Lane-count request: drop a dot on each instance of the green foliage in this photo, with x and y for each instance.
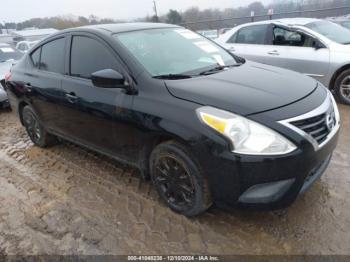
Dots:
(173, 17)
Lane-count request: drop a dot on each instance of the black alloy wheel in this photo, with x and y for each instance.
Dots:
(32, 126)
(35, 130)
(178, 179)
(174, 182)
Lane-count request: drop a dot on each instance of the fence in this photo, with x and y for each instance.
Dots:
(231, 22)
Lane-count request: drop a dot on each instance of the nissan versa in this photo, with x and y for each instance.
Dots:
(204, 125)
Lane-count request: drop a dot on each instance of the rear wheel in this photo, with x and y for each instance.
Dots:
(35, 130)
(342, 87)
(179, 180)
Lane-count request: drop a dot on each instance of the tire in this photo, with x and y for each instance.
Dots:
(36, 132)
(179, 180)
(339, 87)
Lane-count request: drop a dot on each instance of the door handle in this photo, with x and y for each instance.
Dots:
(71, 97)
(232, 49)
(274, 52)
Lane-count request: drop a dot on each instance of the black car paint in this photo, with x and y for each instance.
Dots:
(236, 91)
(127, 123)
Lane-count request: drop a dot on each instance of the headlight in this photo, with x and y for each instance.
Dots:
(246, 136)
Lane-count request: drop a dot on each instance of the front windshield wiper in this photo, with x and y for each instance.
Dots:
(219, 68)
(173, 76)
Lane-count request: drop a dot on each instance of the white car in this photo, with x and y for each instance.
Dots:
(314, 47)
(8, 56)
(24, 46)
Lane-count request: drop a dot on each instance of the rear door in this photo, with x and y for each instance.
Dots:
(43, 80)
(91, 114)
(249, 42)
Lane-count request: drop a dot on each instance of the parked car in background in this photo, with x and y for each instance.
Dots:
(224, 30)
(24, 46)
(205, 125)
(32, 34)
(211, 34)
(317, 48)
(8, 55)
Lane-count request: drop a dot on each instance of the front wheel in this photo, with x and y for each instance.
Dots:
(179, 180)
(342, 87)
(35, 130)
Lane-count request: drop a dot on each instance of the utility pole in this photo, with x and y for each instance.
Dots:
(155, 11)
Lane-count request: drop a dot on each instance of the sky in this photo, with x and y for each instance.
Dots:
(20, 10)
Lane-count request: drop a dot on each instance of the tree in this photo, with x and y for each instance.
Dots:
(173, 17)
(153, 19)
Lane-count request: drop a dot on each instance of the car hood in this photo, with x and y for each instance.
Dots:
(5, 68)
(247, 89)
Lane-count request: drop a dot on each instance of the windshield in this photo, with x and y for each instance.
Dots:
(9, 53)
(332, 31)
(174, 51)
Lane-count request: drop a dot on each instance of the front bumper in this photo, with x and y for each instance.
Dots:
(4, 102)
(267, 183)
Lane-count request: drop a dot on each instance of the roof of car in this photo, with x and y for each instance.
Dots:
(287, 21)
(297, 21)
(125, 27)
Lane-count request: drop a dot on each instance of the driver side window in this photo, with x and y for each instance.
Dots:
(284, 37)
(88, 56)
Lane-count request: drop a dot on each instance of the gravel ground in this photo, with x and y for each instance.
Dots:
(67, 200)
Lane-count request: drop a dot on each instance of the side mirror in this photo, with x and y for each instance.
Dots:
(108, 78)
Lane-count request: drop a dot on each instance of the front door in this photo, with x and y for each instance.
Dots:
(92, 115)
(295, 50)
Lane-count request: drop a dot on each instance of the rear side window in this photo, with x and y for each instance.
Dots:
(88, 56)
(36, 57)
(52, 56)
(254, 34)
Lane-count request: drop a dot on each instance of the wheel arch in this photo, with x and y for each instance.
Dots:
(152, 142)
(337, 73)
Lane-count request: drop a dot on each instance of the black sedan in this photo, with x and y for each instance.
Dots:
(204, 125)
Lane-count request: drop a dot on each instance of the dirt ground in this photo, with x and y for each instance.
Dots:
(67, 200)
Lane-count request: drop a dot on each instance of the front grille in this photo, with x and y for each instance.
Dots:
(315, 126)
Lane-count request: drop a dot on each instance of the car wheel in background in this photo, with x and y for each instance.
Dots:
(179, 180)
(342, 87)
(35, 130)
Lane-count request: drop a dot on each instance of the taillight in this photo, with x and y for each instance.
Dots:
(8, 76)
